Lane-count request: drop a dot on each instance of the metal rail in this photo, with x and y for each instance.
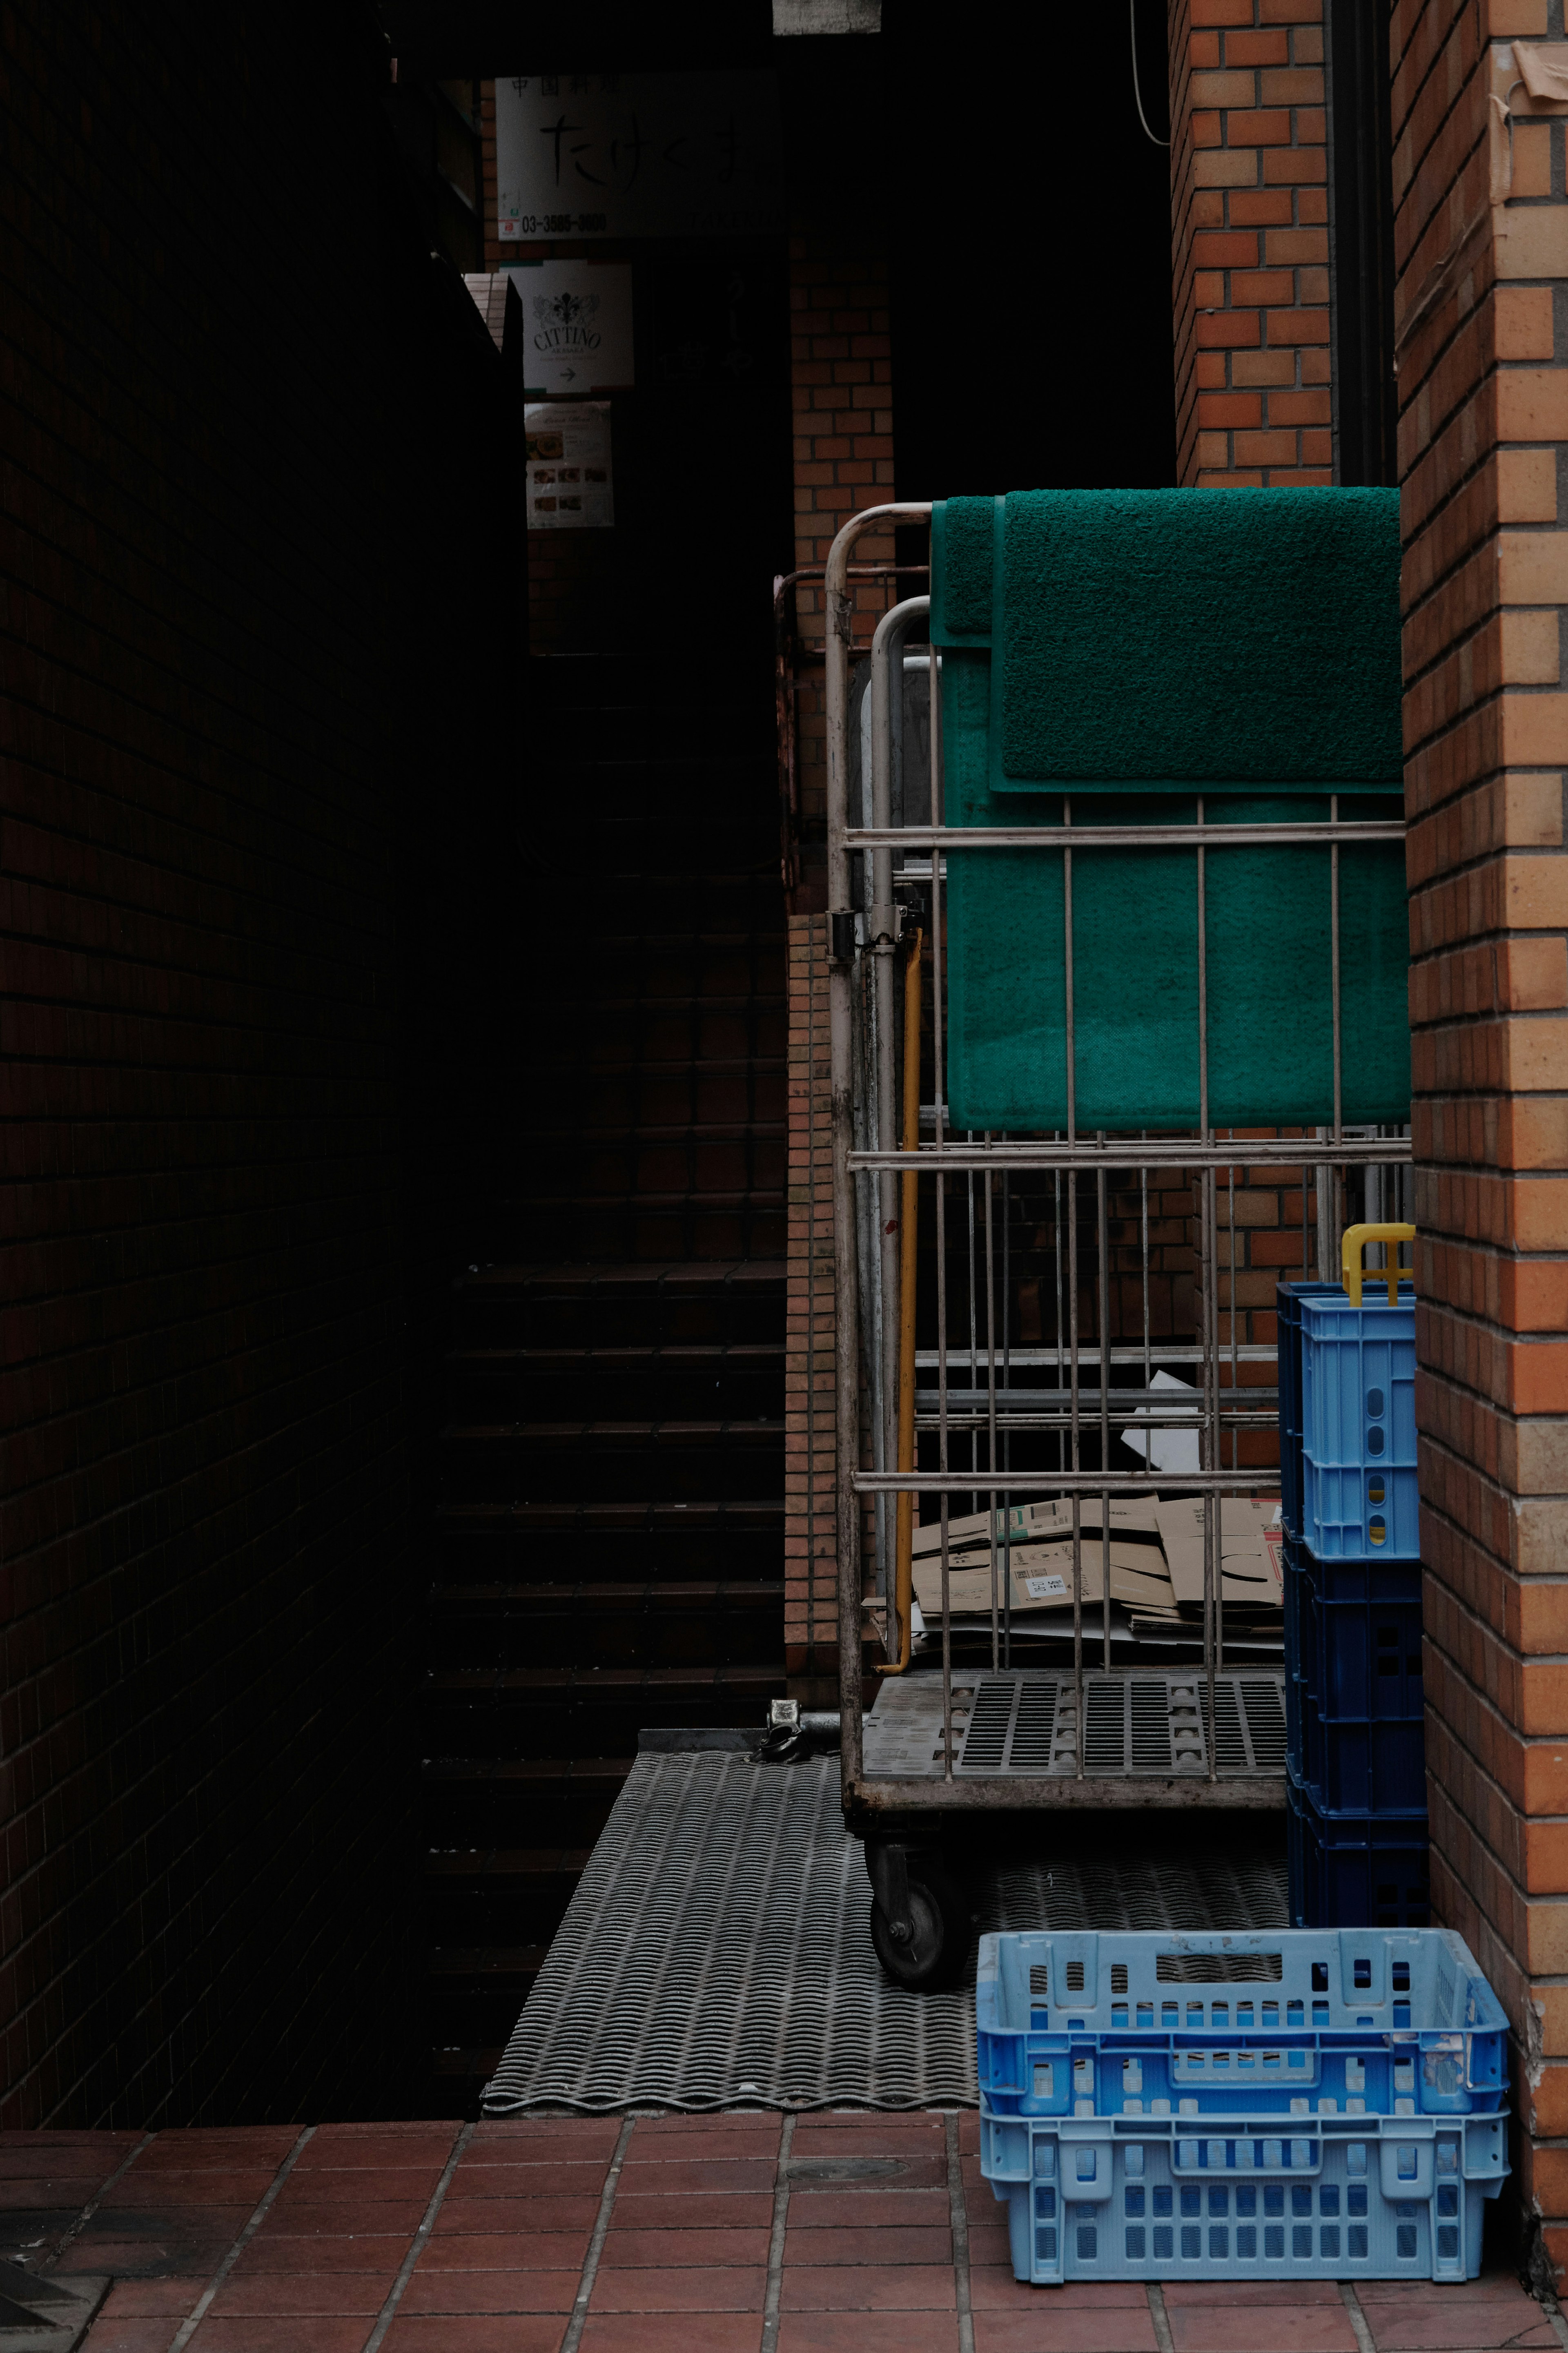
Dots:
(974, 1417)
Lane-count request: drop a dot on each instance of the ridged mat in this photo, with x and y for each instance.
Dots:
(718, 1952)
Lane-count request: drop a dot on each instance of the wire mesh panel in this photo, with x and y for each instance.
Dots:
(716, 1953)
(1042, 1333)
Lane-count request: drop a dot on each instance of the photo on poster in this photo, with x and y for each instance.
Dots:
(568, 470)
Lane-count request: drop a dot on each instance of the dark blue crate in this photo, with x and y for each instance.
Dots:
(1348, 1578)
(1356, 1871)
(1287, 1308)
(1353, 1635)
(1359, 1765)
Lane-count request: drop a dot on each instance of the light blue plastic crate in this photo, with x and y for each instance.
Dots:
(1364, 2198)
(1287, 2023)
(1358, 1427)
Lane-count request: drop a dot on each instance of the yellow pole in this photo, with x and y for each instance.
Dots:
(908, 1227)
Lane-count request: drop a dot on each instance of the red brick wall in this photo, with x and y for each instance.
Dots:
(841, 388)
(841, 378)
(811, 1607)
(221, 782)
(1484, 411)
(1249, 241)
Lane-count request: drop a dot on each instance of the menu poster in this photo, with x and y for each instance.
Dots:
(568, 447)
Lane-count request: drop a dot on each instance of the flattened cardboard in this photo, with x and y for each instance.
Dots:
(1042, 1580)
(1250, 1575)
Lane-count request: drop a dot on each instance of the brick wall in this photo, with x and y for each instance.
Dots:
(1483, 384)
(224, 354)
(1249, 241)
(841, 391)
(811, 1607)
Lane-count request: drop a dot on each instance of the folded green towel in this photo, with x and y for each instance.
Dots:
(1168, 640)
(962, 533)
(1270, 1004)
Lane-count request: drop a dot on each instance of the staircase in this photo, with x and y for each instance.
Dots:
(608, 1546)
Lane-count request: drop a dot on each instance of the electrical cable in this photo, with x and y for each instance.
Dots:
(1138, 95)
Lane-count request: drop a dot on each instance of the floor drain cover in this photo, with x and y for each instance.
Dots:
(718, 1953)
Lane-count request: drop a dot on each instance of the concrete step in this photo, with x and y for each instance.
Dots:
(539, 1461)
(624, 1541)
(739, 1381)
(655, 1302)
(698, 1621)
(653, 1226)
(574, 1712)
(517, 1800)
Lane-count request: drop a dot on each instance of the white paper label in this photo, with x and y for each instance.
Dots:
(1046, 1589)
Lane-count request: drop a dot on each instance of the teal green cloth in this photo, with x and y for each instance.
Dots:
(1168, 640)
(963, 533)
(1135, 963)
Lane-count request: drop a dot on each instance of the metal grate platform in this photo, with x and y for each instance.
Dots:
(718, 1954)
(1028, 1724)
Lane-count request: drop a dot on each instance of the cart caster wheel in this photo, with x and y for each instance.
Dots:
(934, 1954)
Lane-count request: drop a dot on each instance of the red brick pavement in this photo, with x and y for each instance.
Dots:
(450, 2239)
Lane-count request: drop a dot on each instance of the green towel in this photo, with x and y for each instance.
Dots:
(1135, 964)
(1164, 640)
(962, 533)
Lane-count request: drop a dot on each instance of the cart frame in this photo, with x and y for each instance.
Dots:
(900, 1808)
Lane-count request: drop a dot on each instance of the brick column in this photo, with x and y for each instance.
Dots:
(811, 1607)
(841, 388)
(1249, 241)
(1483, 382)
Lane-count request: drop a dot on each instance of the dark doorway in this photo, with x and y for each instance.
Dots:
(1032, 249)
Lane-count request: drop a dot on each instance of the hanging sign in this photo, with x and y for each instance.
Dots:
(576, 326)
(568, 465)
(674, 154)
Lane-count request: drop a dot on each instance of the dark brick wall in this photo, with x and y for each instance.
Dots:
(253, 639)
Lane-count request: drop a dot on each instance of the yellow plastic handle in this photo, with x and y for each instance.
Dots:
(1355, 1241)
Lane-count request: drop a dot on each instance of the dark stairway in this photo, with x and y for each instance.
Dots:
(608, 1550)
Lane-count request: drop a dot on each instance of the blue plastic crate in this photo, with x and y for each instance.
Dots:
(1355, 1870)
(1288, 1315)
(1343, 2197)
(1267, 2022)
(1359, 1765)
(1359, 1487)
(1373, 1578)
(1354, 1721)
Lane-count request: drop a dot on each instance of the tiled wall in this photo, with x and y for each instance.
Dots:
(1483, 384)
(218, 788)
(1249, 239)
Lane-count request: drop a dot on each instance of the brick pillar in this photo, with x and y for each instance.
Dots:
(811, 1607)
(841, 387)
(1483, 387)
(1249, 241)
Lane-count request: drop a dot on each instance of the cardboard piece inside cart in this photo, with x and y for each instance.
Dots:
(1130, 1515)
(1251, 1552)
(1156, 1559)
(1042, 1579)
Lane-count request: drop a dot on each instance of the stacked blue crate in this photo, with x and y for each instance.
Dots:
(1355, 1751)
(1264, 2105)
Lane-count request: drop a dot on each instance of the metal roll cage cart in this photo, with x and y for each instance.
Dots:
(1083, 1739)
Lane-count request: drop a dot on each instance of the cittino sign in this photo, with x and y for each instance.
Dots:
(576, 327)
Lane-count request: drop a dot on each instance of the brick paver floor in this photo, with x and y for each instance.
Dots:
(876, 2235)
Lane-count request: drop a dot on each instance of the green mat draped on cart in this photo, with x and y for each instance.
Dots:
(1118, 654)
